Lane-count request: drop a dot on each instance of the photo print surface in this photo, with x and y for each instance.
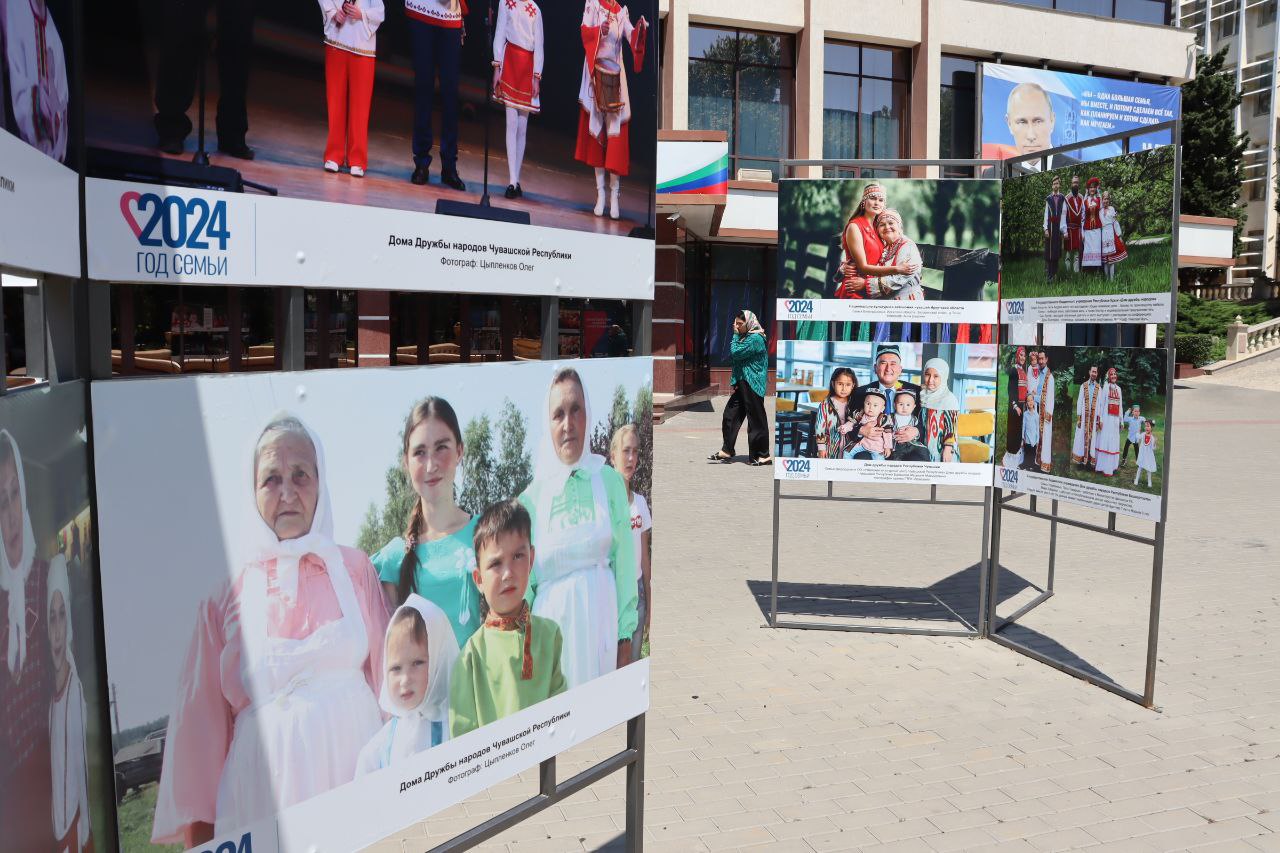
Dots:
(888, 250)
(368, 605)
(1084, 425)
(1090, 242)
(889, 412)
(55, 773)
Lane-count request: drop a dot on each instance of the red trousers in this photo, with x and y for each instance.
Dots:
(611, 152)
(348, 79)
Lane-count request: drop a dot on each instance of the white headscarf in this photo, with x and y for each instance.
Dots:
(59, 581)
(13, 579)
(941, 399)
(753, 324)
(442, 653)
(262, 543)
(551, 474)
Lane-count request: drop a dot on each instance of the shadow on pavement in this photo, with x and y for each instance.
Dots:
(951, 603)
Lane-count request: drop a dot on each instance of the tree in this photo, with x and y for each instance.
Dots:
(1212, 150)
(642, 416)
(514, 471)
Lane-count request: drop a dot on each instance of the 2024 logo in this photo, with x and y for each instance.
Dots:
(1014, 308)
(799, 306)
(1009, 476)
(796, 466)
(175, 222)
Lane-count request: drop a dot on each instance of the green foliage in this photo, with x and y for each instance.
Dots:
(812, 216)
(1196, 349)
(1211, 316)
(1141, 189)
(1212, 151)
(135, 817)
(485, 478)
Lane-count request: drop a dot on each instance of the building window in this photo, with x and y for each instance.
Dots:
(864, 101)
(958, 111)
(1227, 25)
(1139, 11)
(744, 84)
(1262, 102)
(1267, 14)
(740, 276)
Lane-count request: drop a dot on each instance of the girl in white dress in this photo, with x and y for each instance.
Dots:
(1146, 453)
(66, 722)
(517, 77)
(420, 653)
(584, 578)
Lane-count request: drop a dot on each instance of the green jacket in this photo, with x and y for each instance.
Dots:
(750, 357)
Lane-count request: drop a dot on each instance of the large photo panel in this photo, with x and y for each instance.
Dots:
(1026, 110)
(886, 412)
(889, 250)
(40, 209)
(1090, 243)
(363, 116)
(55, 773)
(1084, 425)
(367, 593)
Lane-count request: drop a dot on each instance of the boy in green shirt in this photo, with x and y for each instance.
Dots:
(513, 661)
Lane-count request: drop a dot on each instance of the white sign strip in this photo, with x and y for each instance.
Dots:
(147, 233)
(1092, 495)
(883, 471)
(886, 311)
(392, 799)
(1119, 308)
(39, 210)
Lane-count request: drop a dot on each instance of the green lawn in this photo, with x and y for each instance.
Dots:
(1147, 270)
(135, 815)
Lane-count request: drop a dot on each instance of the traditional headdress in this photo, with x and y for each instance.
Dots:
(892, 349)
(1092, 182)
(871, 188)
(888, 213)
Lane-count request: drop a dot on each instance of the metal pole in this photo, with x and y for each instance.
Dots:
(1053, 543)
(635, 787)
(773, 598)
(993, 569)
(983, 561)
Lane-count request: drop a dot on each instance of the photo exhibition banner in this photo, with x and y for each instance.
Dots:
(1090, 243)
(1026, 110)
(374, 616)
(1084, 425)
(55, 775)
(885, 412)
(351, 147)
(39, 189)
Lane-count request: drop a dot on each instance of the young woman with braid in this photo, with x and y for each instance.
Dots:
(435, 556)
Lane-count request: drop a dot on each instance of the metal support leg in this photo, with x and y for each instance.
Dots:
(984, 562)
(1053, 544)
(773, 596)
(1153, 624)
(547, 777)
(635, 787)
(993, 572)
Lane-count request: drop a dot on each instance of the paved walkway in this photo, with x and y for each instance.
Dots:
(823, 741)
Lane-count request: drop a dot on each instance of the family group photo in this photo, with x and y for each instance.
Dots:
(1090, 229)
(55, 789)
(1089, 414)
(356, 591)
(892, 239)
(895, 401)
(394, 105)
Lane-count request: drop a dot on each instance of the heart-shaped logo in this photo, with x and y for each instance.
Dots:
(128, 201)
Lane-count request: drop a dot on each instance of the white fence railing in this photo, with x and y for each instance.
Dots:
(1244, 341)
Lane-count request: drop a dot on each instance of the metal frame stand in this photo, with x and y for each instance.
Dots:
(551, 792)
(978, 628)
(1004, 503)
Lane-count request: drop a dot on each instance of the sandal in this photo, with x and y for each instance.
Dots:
(719, 456)
(767, 460)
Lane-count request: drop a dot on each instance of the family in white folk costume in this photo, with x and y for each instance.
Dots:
(278, 694)
(1146, 453)
(1084, 445)
(517, 77)
(1108, 424)
(68, 764)
(420, 653)
(37, 71)
(584, 576)
(603, 97)
(1113, 248)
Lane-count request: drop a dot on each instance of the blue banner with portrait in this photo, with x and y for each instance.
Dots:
(1025, 110)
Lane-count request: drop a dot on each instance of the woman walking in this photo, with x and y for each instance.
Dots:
(749, 353)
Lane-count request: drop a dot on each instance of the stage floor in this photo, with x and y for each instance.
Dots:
(287, 129)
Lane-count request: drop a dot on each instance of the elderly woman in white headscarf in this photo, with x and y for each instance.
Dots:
(278, 693)
(940, 409)
(26, 685)
(67, 762)
(902, 256)
(584, 576)
(420, 653)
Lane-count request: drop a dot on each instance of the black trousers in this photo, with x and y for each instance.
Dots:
(1124, 457)
(181, 52)
(746, 404)
(436, 50)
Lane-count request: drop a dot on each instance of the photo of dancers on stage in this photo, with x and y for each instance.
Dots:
(395, 105)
